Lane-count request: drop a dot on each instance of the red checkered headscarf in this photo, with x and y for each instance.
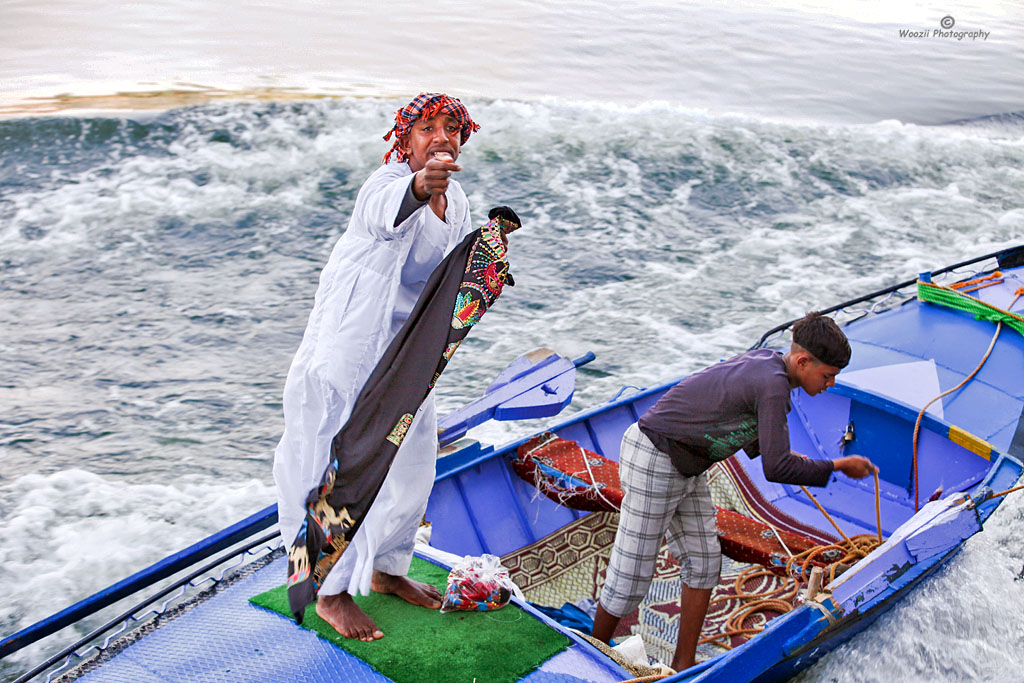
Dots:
(425, 105)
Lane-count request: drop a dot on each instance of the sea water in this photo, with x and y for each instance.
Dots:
(689, 175)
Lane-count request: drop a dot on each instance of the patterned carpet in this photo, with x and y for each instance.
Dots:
(569, 565)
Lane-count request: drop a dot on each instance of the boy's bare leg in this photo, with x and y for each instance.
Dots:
(693, 604)
(605, 624)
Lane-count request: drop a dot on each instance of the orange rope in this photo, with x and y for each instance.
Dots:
(797, 571)
(967, 283)
(878, 508)
(827, 516)
(1003, 493)
(781, 599)
(975, 288)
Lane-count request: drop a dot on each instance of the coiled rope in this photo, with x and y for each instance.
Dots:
(781, 599)
(798, 569)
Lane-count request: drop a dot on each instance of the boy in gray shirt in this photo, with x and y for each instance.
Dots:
(738, 403)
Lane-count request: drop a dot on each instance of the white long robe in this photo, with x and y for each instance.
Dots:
(367, 290)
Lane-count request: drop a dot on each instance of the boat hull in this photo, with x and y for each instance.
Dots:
(479, 505)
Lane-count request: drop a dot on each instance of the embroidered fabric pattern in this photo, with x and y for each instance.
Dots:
(397, 434)
(486, 274)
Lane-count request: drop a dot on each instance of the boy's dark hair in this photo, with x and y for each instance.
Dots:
(821, 337)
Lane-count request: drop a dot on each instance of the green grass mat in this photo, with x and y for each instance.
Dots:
(424, 645)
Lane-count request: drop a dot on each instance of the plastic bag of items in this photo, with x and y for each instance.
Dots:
(478, 583)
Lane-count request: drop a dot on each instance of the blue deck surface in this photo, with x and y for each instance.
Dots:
(991, 404)
(228, 639)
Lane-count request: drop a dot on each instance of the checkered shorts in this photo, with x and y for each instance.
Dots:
(658, 500)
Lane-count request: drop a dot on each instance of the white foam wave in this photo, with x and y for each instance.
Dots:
(66, 535)
(960, 625)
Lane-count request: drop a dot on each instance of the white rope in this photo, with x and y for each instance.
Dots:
(593, 484)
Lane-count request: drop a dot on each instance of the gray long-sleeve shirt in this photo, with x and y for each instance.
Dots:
(738, 403)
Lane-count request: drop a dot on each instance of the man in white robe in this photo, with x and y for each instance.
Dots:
(408, 215)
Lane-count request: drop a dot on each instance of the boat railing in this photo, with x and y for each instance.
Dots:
(181, 593)
(174, 599)
(623, 390)
(884, 299)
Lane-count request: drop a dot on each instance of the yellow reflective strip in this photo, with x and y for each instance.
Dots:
(971, 442)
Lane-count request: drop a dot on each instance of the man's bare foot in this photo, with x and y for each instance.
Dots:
(341, 612)
(422, 594)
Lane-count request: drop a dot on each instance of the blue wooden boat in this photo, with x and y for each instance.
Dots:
(945, 466)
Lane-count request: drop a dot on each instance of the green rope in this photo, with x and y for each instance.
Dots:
(981, 310)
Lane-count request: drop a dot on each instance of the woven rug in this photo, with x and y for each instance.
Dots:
(657, 618)
(732, 488)
(566, 565)
(750, 525)
(571, 563)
